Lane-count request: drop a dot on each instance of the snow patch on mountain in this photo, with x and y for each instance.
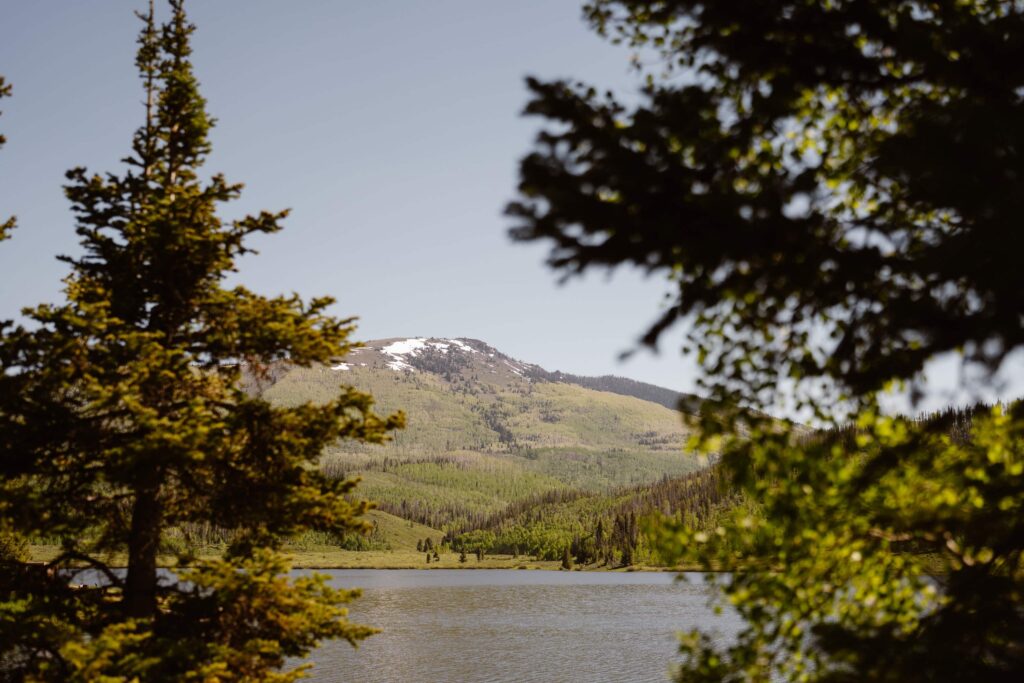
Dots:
(404, 346)
(516, 368)
(398, 351)
(463, 345)
(401, 355)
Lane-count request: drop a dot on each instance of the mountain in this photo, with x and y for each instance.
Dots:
(487, 432)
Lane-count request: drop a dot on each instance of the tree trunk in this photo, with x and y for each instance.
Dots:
(143, 544)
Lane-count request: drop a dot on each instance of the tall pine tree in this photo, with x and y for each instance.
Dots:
(121, 417)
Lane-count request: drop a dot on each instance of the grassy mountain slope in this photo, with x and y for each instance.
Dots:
(486, 431)
(401, 534)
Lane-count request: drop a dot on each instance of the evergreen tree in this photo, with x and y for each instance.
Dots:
(437, 557)
(419, 545)
(566, 558)
(462, 556)
(428, 558)
(121, 417)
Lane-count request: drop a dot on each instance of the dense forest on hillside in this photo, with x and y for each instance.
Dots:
(606, 528)
(600, 528)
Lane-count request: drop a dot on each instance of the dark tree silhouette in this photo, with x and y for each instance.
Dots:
(852, 166)
(566, 558)
(834, 192)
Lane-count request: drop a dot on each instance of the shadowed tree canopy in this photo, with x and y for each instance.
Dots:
(835, 187)
(121, 417)
(835, 190)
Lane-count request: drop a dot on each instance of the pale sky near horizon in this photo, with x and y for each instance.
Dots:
(391, 128)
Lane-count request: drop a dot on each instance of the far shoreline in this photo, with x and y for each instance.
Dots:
(327, 559)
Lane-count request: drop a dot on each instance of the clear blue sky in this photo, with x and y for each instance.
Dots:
(392, 129)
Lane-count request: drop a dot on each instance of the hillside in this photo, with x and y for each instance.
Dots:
(600, 526)
(486, 431)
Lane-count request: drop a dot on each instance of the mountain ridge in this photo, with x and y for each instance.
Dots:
(486, 431)
(415, 348)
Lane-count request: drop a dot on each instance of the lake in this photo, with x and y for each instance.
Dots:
(507, 625)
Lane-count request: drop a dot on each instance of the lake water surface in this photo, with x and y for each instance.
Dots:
(506, 625)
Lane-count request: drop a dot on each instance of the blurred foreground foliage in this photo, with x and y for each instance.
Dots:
(834, 190)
